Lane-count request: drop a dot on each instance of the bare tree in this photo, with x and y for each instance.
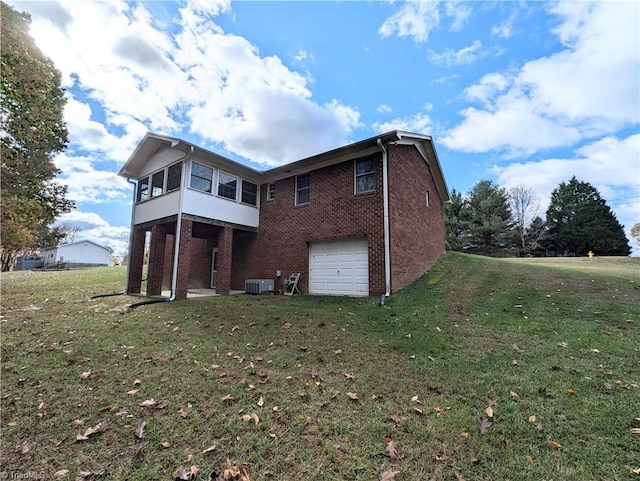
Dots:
(69, 231)
(524, 208)
(635, 232)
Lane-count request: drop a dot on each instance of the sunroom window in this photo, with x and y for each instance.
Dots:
(143, 190)
(227, 185)
(174, 176)
(249, 193)
(157, 183)
(201, 177)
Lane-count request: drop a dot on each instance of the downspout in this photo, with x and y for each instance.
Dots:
(174, 276)
(385, 201)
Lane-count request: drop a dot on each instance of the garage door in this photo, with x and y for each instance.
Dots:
(339, 267)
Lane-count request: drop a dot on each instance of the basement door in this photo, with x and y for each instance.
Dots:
(339, 267)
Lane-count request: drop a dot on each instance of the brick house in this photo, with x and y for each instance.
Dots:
(364, 219)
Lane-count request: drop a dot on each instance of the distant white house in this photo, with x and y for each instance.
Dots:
(80, 253)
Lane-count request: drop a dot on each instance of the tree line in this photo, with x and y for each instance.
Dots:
(495, 221)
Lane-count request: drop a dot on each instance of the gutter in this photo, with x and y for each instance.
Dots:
(385, 200)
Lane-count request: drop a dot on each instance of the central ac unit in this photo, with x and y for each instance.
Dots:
(258, 286)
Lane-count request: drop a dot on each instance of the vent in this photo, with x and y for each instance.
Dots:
(258, 286)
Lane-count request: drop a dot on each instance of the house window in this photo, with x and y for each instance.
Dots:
(249, 193)
(227, 186)
(303, 189)
(365, 176)
(271, 191)
(174, 176)
(143, 189)
(201, 177)
(157, 183)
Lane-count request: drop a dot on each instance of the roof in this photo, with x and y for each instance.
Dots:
(154, 143)
(86, 241)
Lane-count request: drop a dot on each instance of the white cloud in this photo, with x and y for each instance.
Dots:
(611, 165)
(460, 12)
(384, 109)
(463, 56)
(95, 228)
(588, 89)
(414, 20)
(419, 123)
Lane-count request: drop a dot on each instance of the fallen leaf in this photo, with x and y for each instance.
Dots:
(132, 392)
(412, 356)
(563, 344)
(85, 375)
(353, 396)
(98, 428)
(24, 447)
(489, 412)
(348, 375)
(388, 475)
(484, 424)
(391, 450)
(338, 351)
(140, 430)
(147, 403)
(554, 444)
(607, 386)
(464, 435)
(634, 430)
(137, 382)
(545, 392)
(516, 349)
(439, 410)
(183, 414)
(165, 444)
(458, 475)
(227, 398)
(597, 351)
(529, 458)
(532, 419)
(570, 392)
(182, 473)
(60, 473)
(260, 402)
(287, 325)
(85, 475)
(515, 396)
(415, 409)
(415, 399)
(395, 418)
(636, 471)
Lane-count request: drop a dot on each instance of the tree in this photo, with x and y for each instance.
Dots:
(33, 132)
(489, 216)
(635, 232)
(536, 234)
(456, 221)
(524, 207)
(580, 221)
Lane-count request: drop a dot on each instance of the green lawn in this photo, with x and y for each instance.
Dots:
(329, 388)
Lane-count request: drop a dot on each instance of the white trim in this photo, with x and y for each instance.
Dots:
(356, 175)
(307, 188)
(220, 172)
(385, 202)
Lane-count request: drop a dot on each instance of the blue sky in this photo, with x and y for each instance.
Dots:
(521, 93)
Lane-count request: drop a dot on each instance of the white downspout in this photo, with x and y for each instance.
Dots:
(131, 227)
(385, 201)
(176, 250)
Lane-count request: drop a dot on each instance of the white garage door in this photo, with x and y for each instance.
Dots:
(339, 267)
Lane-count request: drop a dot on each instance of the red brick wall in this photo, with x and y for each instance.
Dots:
(286, 229)
(417, 231)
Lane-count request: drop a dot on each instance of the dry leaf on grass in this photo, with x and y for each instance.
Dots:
(489, 412)
(458, 475)
(252, 416)
(515, 396)
(87, 475)
(60, 473)
(183, 414)
(391, 450)
(260, 402)
(353, 396)
(554, 444)
(140, 430)
(388, 475)
(98, 428)
(147, 403)
(484, 424)
(227, 398)
(182, 473)
(415, 409)
(210, 448)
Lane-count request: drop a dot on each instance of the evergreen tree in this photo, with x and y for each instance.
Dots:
(489, 216)
(33, 132)
(456, 222)
(580, 221)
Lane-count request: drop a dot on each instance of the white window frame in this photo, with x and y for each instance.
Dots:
(218, 185)
(427, 198)
(255, 204)
(364, 174)
(299, 189)
(212, 180)
(271, 191)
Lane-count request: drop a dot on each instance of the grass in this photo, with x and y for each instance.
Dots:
(561, 336)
